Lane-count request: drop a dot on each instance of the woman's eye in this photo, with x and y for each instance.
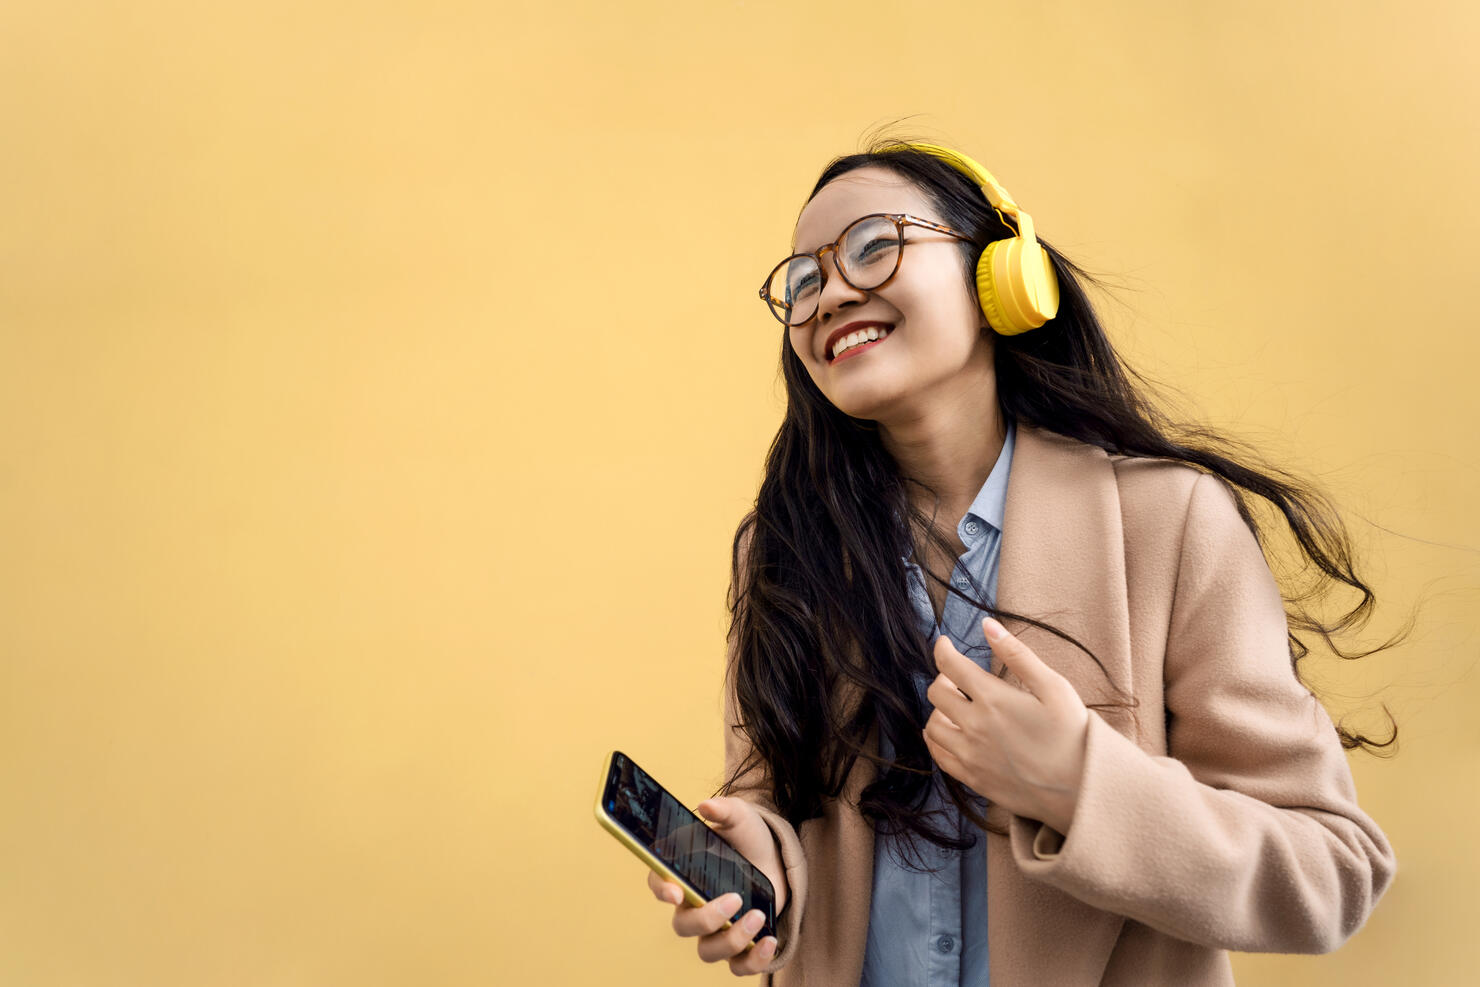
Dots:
(804, 285)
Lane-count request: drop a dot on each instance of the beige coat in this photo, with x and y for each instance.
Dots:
(1218, 815)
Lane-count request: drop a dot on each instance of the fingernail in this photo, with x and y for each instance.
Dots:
(728, 905)
(768, 945)
(994, 630)
(754, 921)
(673, 896)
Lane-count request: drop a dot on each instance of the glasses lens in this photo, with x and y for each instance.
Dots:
(793, 289)
(868, 253)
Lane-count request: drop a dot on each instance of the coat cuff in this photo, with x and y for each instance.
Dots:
(1057, 858)
(794, 862)
(1047, 842)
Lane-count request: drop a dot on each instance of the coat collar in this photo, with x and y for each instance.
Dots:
(1063, 558)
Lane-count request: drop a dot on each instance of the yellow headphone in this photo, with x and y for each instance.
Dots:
(1014, 277)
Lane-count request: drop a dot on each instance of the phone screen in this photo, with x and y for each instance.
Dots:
(680, 839)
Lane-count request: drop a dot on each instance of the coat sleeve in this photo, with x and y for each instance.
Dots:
(754, 786)
(1248, 836)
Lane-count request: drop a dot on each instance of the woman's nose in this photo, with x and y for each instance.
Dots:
(835, 291)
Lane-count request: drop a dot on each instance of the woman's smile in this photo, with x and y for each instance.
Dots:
(854, 342)
(850, 351)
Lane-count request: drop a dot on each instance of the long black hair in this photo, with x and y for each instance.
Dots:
(816, 572)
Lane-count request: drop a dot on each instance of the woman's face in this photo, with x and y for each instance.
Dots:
(936, 343)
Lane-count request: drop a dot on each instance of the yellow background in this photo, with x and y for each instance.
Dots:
(381, 384)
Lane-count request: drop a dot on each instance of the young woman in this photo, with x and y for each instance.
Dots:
(1011, 688)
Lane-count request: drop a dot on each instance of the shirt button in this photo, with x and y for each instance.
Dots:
(945, 944)
(972, 527)
(962, 581)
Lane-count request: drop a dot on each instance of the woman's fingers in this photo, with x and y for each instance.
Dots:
(707, 919)
(729, 943)
(664, 891)
(756, 959)
(1041, 681)
(719, 943)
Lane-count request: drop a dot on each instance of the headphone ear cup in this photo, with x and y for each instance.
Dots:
(1017, 286)
(988, 291)
(1040, 284)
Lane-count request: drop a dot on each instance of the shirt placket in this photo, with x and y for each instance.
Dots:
(943, 943)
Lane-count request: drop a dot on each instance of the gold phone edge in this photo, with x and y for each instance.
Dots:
(691, 895)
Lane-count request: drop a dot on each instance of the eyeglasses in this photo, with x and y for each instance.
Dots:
(867, 255)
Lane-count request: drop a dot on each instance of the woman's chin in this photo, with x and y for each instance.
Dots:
(871, 404)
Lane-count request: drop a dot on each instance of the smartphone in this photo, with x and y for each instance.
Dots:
(677, 844)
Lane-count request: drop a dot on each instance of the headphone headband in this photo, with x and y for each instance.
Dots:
(1015, 277)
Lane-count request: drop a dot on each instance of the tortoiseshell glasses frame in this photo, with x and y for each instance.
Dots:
(776, 305)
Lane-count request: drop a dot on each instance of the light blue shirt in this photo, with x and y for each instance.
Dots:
(930, 929)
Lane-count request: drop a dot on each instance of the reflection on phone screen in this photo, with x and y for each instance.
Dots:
(682, 840)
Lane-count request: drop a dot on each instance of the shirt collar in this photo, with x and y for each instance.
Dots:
(991, 500)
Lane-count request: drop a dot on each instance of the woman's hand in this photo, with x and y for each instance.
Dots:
(746, 831)
(1022, 749)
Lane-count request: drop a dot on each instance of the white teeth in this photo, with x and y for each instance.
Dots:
(853, 339)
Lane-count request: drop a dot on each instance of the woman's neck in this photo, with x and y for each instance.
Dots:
(951, 446)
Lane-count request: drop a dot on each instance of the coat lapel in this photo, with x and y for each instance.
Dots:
(1062, 563)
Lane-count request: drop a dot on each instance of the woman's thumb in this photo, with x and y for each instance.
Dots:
(716, 811)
